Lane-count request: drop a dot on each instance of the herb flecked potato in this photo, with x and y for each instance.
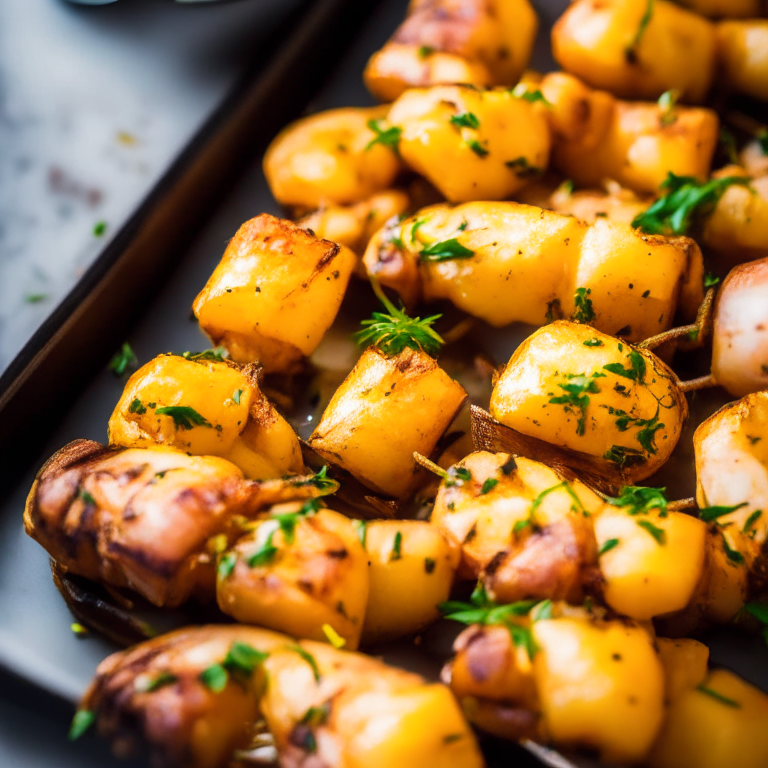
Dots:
(193, 697)
(483, 42)
(331, 157)
(597, 137)
(274, 293)
(637, 49)
(206, 405)
(575, 387)
(506, 262)
(472, 144)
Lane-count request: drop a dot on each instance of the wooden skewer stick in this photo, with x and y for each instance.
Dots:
(430, 465)
(703, 382)
(701, 327)
(676, 506)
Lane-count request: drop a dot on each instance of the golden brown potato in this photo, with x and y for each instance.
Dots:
(201, 691)
(507, 262)
(725, 8)
(740, 335)
(597, 137)
(685, 664)
(483, 42)
(206, 406)
(301, 571)
(330, 157)
(387, 408)
(144, 518)
(274, 294)
(636, 49)
(411, 569)
(575, 387)
(472, 144)
(743, 55)
(718, 724)
(354, 225)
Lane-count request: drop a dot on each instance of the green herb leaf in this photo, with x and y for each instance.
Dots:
(477, 147)
(146, 684)
(457, 476)
(751, 520)
(667, 103)
(710, 281)
(242, 659)
(593, 343)
(635, 373)
(218, 354)
(99, 228)
(35, 298)
(122, 360)
(137, 407)
(308, 658)
(541, 611)
(425, 50)
(708, 514)
(214, 678)
(631, 50)
(264, 554)
(183, 416)
(758, 611)
(396, 553)
(607, 546)
(624, 457)
(734, 556)
(81, 722)
(320, 480)
(584, 312)
(86, 497)
(576, 399)
(236, 396)
(658, 533)
(520, 91)
(362, 530)
(488, 485)
(465, 120)
(226, 565)
(719, 696)
(445, 250)
(522, 168)
(685, 198)
(429, 564)
(388, 137)
(641, 500)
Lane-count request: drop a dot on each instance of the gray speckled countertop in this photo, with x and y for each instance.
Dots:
(95, 102)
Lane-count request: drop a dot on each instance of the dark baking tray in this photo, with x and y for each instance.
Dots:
(141, 289)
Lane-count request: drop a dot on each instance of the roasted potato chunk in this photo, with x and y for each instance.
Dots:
(596, 137)
(202, 690)
(743, 56)
(740, 337)
(411, 569)
(298, 571)
(143, 517)
(717, 724)
(471, 144)
(685, 664)
(384, 411)
(330, 157)
(636, 49)
(274, 294)
(508, 262)
(572, 386)
(483, 42)
(206, 406)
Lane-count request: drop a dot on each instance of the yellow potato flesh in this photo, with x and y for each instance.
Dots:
(594, 681)
(274, 294)
(685, 664)
(532, 378)
(387, 408)
(743, 53)
(726, 729)
(411, 570)
(489, 162)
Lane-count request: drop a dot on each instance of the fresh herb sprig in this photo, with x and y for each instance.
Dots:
(388, 137)
(576, 397)
(184, 417)
(631, 50)
(122, 360)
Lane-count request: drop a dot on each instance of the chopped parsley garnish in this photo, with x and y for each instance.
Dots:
(236, 396)
(214, 678)
(81, 722)
(137, 407)
(445, 250)
(624, 457)
(220, 353)
(265, 553)
(576, 399)
(718, 696)
(631, 50)
(477, 147)
(465, 120)
(646, 435)
(734, 556)
(99, 228)
(396, 553)
(146, 684)
(520, 91)
(658, 533)
(584, 312)
(457, 476)
(641, 500)
(362, 530)
(522, 168)
(635, 373)
(319, 480)
(488, 485)
(429, 564)
(425, 50)
(78, 629)
(685, 197)
(286, 524)
(35, 298)
(122, 359)
(593, 343)
(309, 658)
(86, 497)
(239, 663)
(576, 506)
(388, 137)
(708, 514)
(183, 416)
(751, 520)
(667, 104)
(710, 281)
(541, 611)
(607, 546)
(226, 565)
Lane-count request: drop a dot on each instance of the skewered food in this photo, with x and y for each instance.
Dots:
(637, 49)
(274, 294)
(206, 405)
(506, 262)
(482, 42)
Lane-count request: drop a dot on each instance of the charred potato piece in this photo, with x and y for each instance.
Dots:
(471, 144)
(330, 157)
(597, 137)
(507, 262)
(636, 49)
(482, 42)
(274, 294)
(411, 569)
(143, 517)
(740, 337)
(575, 387)
(298, 571)
(384, 411)
(743, 56)
(206, 406)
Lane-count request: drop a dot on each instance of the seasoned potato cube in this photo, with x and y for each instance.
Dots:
(470, 144)
(274, 294)
(653, 563)
(298, 571)
(575, 387)
(743, 54)
(685, 664)
(330, 157)
(387, 408)
(411, 569)
(719, 724)
(636, 49)
(600, 686)
(206, 406)
(596, 137)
